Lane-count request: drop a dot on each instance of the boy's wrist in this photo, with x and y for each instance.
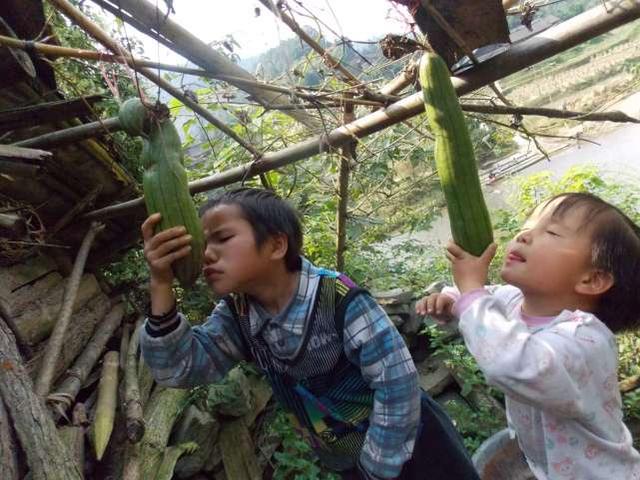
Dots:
(161, 296)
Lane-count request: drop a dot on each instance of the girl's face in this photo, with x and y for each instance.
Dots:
(232, 260)
(550, 255)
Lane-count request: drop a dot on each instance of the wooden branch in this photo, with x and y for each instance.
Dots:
(9, 467)
(47, 456)
(92, 29)
(557, 39)
(45, 376)
(611, 116)
(133, 405)
(106, 403)
(78, 208)
(22, 117)
(325, 56)
(197, 51)
(66, 393)
(348, 155)
(71, 134)
(26, 155)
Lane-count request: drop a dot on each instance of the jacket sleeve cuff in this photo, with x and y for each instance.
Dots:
(466, 300)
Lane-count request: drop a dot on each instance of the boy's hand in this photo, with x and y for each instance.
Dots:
(162, 249)
(437, 305)
(469, 272)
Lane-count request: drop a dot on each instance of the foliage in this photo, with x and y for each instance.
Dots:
(476, 423)
(295, 460)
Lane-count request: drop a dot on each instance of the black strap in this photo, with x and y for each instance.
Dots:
(231, 303)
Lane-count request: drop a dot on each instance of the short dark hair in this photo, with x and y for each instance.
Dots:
(268, 214)
(615, 248)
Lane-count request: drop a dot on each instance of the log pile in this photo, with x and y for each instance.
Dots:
(103, 416)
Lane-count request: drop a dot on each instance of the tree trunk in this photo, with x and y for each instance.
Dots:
(47, 455)
(75, 340)
(36, 321)
(54, 344)
(72, 384)
(9, 468)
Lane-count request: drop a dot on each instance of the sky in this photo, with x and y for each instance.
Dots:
(213, 20)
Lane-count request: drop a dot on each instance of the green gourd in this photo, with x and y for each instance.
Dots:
(164, 180)
(455, 161)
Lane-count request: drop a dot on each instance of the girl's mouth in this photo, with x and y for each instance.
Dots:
(515, 257)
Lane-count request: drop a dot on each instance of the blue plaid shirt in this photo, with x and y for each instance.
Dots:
(183, 356)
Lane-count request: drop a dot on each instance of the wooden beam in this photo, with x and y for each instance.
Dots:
(559, 38)
(72, 134)
(16, 118)
(198, 52)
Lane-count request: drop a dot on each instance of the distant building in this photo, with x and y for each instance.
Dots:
(538, 25)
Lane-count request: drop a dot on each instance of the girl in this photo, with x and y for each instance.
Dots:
(546, 338)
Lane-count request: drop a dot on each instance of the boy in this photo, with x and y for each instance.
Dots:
(329, 351)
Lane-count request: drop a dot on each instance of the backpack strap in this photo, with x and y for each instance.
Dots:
(231, 301)
(346, 291)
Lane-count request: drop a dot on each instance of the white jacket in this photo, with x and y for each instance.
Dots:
(560, 383)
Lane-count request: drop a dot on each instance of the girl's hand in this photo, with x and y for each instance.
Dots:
(162, 249)
(469, 272)
(437, 305)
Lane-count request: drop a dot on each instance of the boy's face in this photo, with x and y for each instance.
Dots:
(550, 255)
(232, 260)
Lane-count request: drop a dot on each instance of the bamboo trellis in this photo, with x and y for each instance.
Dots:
(559, 38)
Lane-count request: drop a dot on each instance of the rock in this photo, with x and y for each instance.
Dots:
(434, 376)
(199, 427)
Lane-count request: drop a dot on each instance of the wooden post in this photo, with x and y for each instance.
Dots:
(348, 154)
(47, 455)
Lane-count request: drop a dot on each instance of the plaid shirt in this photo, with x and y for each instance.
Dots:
(183, 356)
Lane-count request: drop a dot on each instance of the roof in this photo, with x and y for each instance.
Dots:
(65, 180)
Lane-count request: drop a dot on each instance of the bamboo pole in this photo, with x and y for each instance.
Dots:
(348, 155)
(47, 456)
(50, 359)
(559, 38)
(68, 390)
(197, 51)
(610, 116)
(133, 405)
(71, 134)
(106, 403)
(92, 29)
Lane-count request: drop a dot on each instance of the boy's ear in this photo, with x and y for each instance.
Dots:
(279, 246)
(595, 282)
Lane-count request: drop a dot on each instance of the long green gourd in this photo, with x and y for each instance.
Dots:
(164, 180)
(455, 161)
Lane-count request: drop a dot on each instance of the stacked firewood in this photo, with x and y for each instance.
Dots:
(79, 403)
